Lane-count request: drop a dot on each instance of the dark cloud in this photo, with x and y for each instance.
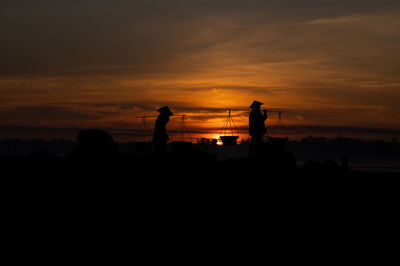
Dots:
(44, 112)
(142, 37)
(193, 112)
(52, 115)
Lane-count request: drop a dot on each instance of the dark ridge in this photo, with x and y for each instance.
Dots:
(98, 185)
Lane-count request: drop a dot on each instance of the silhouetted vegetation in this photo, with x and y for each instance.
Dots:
(97, 181)
(356, 151)
(307, 149)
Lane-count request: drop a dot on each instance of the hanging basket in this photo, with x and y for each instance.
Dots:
(229, 140)
(229, 132)
(143, 145)
(278, 141)
(183, 135)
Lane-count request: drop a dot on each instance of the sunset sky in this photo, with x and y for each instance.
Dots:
(333, 67)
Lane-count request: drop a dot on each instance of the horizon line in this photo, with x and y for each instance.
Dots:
(294, 131)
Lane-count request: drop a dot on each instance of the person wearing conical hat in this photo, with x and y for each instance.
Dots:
(160, 137)
(256, 126)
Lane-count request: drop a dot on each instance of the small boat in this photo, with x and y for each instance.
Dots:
(229, 140)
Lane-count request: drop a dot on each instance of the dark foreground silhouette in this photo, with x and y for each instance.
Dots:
(97, 186)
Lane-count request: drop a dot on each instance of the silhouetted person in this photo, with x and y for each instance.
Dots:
(256, 126)
(160, 136)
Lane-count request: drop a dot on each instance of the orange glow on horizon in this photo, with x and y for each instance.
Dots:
(200, 64)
